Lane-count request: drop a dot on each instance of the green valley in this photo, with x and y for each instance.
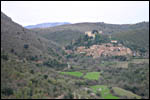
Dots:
(85, 60)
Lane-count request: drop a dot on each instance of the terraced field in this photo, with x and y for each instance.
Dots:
(123, 64)
(119, 64)
(122, 92)
(89, 75)
(77, 74)
(92, 75)
(137, 61)
(107, 63)
(104, 91)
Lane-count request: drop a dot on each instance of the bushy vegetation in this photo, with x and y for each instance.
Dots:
(53, 63)
(33, 82)
(4, 56)
(30, 82)
(89, 41)
(136, 40)
(7, 91)
(125, 78)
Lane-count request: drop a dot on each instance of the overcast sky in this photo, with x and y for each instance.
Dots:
(115, 12)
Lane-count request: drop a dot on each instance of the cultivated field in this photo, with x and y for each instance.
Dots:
(77, 74)
(92, 75)
(122, 92)
(104, 91)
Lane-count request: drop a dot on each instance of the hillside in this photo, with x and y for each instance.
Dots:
(137, 39)
(72, 31)
(36, 65)
(105, 27)
(61, 37)
(23, 42)
(44, 25)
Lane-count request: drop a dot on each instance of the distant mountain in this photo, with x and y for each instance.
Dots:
(44, 25)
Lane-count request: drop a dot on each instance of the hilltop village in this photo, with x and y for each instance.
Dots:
(105, 49)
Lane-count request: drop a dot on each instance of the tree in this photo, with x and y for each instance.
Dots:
(7, 91)
(12, 50)
(95, 31)
(45, 76)
(32, 71)
(33, 58)
(26, 46)
(68, 96)
(86, 37)
(98, 94)
(142, 50)
(97, 38)
(4, 56)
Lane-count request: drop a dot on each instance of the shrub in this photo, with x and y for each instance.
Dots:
(120, 58)
(38, 65)
(95, 31)
(98, 94)
(7, 91)
(45, 76)
(88, 91)
(54, 63)
(4, 56)
(34, 81)
(68, 96)
(33, 58)
(32, 71)
(12, 50)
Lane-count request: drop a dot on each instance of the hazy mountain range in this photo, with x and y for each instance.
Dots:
(44, 25)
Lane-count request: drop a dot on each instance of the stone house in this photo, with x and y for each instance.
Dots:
(114, 41)
(90, 34)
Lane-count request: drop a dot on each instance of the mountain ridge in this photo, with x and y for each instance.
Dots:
(74, 31)
(24, 42)
(45, 25)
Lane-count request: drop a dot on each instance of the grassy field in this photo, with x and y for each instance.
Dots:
(104, 90)
(122, 92)
(92, 75)
(77, 74)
